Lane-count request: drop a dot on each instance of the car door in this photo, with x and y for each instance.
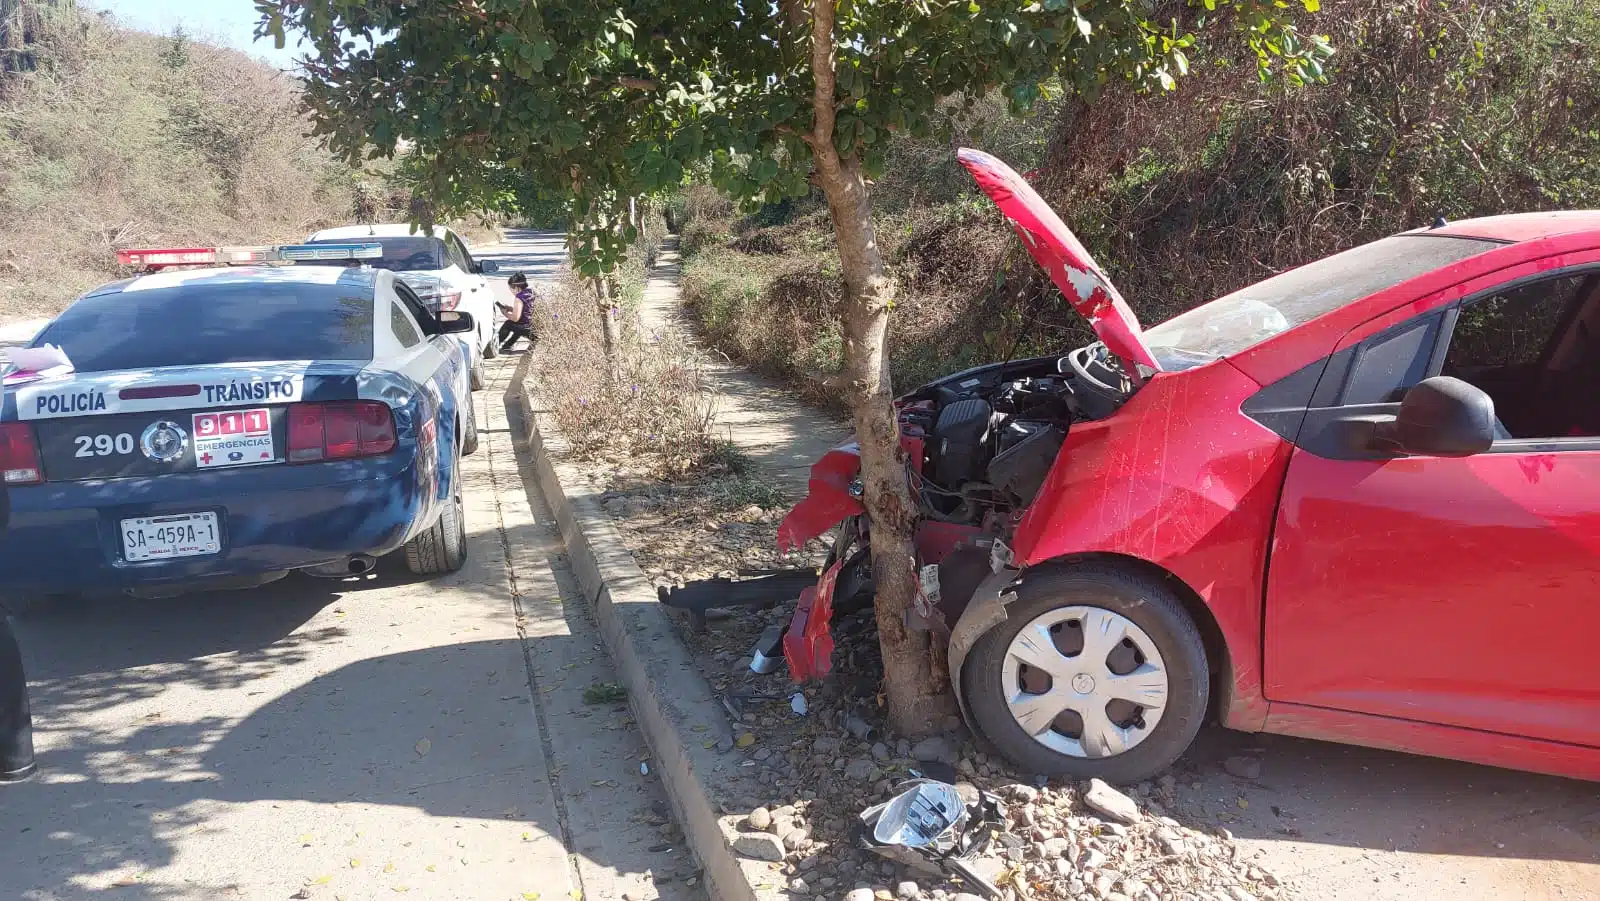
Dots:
(475, 297)
(1457, 591)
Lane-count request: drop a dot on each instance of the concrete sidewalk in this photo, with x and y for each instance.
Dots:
(761, 416)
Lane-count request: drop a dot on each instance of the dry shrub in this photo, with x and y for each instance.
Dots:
(655, 410)
(119, 138)
(1454, 107)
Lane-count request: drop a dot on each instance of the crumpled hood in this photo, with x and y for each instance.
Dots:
(1059, 252)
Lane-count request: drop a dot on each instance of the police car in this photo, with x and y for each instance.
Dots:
(224, 426)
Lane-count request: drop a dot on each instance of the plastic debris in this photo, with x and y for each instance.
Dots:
(927, 826)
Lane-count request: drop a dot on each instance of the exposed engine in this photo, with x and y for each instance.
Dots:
(988, 440)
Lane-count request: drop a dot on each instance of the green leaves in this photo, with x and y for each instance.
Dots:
(590, 104)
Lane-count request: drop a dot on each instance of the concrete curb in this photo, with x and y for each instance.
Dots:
(672, 702)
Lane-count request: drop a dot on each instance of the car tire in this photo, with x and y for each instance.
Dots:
(1161, 626)
(491, 350)
(469, 432)
(442, 548)
(475, 376)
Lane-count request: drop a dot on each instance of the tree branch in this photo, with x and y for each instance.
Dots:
(638, 84)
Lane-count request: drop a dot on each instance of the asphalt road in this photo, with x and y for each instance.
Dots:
(361, 739)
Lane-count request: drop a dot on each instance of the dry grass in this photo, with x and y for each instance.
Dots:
(653, 411)
(121, 139)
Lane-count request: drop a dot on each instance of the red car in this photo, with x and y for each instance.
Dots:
(1358, 501)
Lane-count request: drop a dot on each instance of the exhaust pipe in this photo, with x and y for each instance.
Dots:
(354, 565)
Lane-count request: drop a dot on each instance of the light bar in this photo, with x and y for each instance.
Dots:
(151, 260)
(155, 259)
(239, 255)
(330, 252)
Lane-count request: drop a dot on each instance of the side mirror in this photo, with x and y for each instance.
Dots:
(488, 267)
(1440, 417)
(455, 322)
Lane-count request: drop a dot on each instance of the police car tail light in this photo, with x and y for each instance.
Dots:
(448, 300)
(19, 455)
(339, 431)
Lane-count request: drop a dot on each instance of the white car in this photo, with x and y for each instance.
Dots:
(439, 268)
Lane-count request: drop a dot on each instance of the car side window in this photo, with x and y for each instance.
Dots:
(1535, 350)
(414, 305)
(458, 255)
(1387, 365)
(404, 329)
(461, 248)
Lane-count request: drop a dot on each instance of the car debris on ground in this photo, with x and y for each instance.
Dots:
(804, 780)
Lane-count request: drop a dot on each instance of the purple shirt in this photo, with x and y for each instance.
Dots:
(525, 297)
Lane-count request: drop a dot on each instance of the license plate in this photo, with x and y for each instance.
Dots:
(167, 537)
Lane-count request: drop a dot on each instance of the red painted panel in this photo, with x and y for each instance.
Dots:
(1455, 591)
(1180, 478)
(1488, 748)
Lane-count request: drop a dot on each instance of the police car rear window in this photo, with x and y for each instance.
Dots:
(195, 325)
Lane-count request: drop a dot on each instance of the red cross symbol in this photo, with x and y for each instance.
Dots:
(206, 459)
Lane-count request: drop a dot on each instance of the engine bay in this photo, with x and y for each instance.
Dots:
(989, 436)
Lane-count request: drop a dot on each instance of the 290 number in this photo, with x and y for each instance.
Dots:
(103, 445)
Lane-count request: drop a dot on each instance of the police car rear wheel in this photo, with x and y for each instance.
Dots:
(443, 547)
(491, 350)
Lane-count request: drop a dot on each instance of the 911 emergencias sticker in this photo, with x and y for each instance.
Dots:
(233, 438)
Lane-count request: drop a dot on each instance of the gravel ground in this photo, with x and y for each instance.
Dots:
(806, 778)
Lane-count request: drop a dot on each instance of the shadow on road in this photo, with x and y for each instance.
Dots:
(139, 772)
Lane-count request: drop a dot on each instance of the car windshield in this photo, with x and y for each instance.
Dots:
(1251, 315)
(199, 324)
(413, 253)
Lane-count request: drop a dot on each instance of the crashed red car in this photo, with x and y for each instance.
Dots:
(1358, 501)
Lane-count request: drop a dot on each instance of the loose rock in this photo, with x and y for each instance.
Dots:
(1243, 767)
(1110, 803)
(759, 846)
(880, 752)
(759, 819)
(907, 890)
(1017, 791)
(798, 886)
(795, 839)
(860, 770)
(1056, 847)
(859, 894)
(938, 748)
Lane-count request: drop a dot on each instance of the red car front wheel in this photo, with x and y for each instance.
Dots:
(1096, 672)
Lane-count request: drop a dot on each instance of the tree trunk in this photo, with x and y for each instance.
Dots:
(609, 339)
(917, 689)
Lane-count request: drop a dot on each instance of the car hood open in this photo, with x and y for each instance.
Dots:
(1059, 252)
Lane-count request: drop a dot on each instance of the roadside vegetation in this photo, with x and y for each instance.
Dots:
(647, 404)
(1460, 108)
(113, 138)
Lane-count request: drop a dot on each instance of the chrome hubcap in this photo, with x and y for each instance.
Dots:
(1085, 682)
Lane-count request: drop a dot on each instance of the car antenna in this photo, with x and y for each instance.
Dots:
(1439, 221)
